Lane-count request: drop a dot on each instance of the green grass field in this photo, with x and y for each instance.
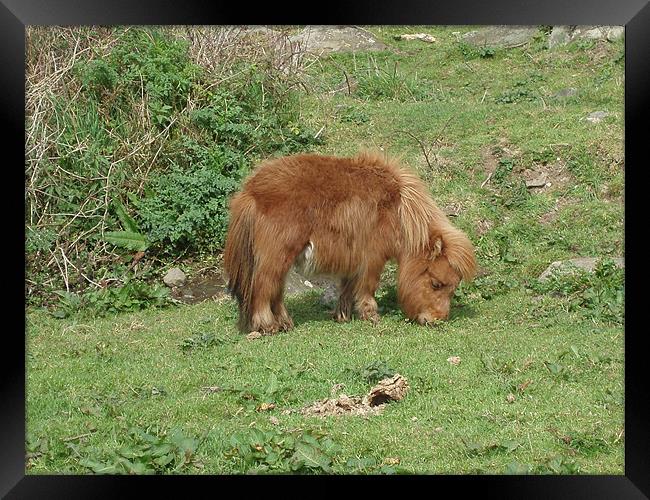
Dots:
(539, 387)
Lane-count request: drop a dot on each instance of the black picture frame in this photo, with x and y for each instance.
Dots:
(15, 15)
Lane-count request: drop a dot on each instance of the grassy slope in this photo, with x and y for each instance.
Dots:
(99, 374)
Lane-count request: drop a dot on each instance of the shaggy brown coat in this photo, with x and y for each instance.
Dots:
(343, 217)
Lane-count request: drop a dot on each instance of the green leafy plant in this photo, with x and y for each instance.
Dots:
(136, 118)
(599, 295)
(521, 91)
(201, 340)
(187, 210)
(132, 296)
(145, 453)
(276, 452)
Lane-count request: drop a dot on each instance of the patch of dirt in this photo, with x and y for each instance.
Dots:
(212, 284)
(453, 209)
(209, 285)
(550, 217)
(483, 226)
(542, 177)
(490, 160)
(490, 156)
(297, 283)
(373, 403)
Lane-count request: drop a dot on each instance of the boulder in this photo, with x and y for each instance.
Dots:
(586, 263)
(562, 35)
(175, 277)
(318, 39)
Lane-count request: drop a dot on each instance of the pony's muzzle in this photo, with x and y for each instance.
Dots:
(427, 319)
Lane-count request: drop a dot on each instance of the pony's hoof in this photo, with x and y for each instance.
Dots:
(341, 317)
(373, 318)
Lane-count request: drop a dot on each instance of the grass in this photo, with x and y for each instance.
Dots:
(135, 370)
(539, 388)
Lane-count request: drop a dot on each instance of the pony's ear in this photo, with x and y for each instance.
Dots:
(436, 247)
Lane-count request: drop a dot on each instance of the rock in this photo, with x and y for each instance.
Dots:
(174, 277)
(295, 283)
(615, 32)
(586, 263)
(330, 296)
(597, 32)
(501, 36)
(596, 116)
(540, 181)
(416, 36)
(560, 35)
(317, 39)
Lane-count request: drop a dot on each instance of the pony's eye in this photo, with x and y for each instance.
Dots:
(436, 285)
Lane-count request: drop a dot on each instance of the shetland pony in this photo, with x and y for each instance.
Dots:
(343, 217)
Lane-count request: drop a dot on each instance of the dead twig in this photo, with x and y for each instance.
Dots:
(486, 180)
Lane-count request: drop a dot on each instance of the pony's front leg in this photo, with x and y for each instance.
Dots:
(365, 302)
(345, 305)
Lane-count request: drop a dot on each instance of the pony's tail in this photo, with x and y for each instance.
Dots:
(239, 256)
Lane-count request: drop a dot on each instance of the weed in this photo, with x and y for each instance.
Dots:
(132, 296)
(144, 453)
(389, 84)
(201, 341)
(521, 91)
(272, 451)
(599, 295)
(373, 372)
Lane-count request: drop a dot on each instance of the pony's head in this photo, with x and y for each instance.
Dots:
(427, 280)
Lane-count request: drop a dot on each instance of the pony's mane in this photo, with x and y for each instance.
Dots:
(419, 216)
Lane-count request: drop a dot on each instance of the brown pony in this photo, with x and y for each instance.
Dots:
(343, 217)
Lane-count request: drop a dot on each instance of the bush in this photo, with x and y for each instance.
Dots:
(187, 210)
(132, 121)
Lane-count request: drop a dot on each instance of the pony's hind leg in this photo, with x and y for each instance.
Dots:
(273, 263)
(280, 312)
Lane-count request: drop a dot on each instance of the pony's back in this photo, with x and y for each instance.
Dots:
(306, 181)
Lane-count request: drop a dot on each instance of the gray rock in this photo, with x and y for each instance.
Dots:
(586, 263)
(596, 116)
(560, 35)
(501, 36)
(330, 296)
(537, 182)
(615, 32)
(174, 277)
(317, 39)
(597, 32)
